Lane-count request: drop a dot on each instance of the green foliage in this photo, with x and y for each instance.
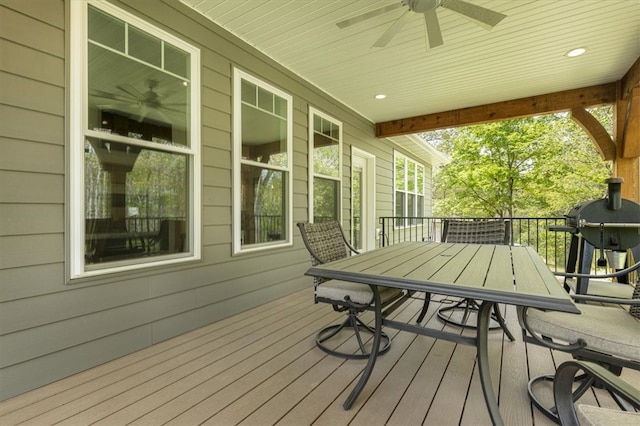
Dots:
(537, 166)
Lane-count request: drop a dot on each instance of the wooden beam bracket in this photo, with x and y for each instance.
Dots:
(596, 131)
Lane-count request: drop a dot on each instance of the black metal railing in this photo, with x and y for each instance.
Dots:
(526, 231)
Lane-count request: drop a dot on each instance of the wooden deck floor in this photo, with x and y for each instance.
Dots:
(261, 367)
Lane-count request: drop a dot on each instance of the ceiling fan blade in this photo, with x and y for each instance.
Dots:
(482, 16)
(369, 15)
(392, 31)
(434, 35)
(130, 90)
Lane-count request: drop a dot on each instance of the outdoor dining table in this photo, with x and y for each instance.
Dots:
(513, 275)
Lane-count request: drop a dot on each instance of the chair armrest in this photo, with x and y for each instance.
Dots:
(605, 299)
(530, 337)
(564, 381)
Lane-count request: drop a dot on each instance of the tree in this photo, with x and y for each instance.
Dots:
(536, 166)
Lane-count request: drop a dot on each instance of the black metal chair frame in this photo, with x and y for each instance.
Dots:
(476, 237)
(578, 349)
(352, 309)
(625, 395)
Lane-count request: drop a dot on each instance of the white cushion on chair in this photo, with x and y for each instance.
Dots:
(358, 293)
(605, 288)
(589, 415)
(605, 329)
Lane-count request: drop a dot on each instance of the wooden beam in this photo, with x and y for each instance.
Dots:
(524, 107)
(630, 141)
(596, 131)
(630, 80)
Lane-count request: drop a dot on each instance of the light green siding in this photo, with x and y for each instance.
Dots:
(50, 328)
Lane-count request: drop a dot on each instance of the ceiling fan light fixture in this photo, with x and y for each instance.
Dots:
(576, 52)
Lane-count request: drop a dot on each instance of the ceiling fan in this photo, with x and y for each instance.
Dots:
(142, 104)
(484, 17)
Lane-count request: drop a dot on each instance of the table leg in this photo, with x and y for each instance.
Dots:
(377, 337)
(484, 316)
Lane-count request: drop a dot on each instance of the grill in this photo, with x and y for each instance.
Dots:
(610, 224)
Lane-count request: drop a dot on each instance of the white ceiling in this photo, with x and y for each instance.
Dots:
(524, 55)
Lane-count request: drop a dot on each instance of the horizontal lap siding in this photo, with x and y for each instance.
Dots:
(49, 328)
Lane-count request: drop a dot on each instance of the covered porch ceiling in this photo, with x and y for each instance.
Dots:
(518, 68)
(522, 56)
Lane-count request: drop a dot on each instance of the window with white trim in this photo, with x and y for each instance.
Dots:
(325, 166)
(263, 137)
(135, 143)
(408, 189)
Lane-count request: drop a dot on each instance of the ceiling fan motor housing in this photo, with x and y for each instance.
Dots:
(422, 6)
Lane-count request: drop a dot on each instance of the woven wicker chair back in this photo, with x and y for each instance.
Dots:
(326, 242)
(476, 232)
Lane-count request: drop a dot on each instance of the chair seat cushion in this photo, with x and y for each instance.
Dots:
(605, 288)
(358, 293)
(589, 415)
(610, 330)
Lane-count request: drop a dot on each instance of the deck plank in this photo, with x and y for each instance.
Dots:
(262, 367)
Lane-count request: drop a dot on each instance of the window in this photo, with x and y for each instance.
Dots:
(135, 141)
(325, 167)
(262, 157)
(409, 189)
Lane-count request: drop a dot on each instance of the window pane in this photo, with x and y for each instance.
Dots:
(326, 156)
(400, 174)
(176, 61)
(325, 199)
(106, 30)
(132, 99)
(135, 202)
(264, 137)
(411, 205)
(400, 207)
(145, 47)
(411, 176)
(420, 179)
(249, 93)
(263, 209)
(265, 100)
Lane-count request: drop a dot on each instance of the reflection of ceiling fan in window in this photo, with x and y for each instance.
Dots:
(149, 103)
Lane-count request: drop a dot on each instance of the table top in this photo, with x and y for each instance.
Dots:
(499, 273)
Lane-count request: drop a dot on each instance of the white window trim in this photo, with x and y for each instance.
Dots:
(238, 76)
(407, 159)
(78, 119)
(313, 112)
(369, 198)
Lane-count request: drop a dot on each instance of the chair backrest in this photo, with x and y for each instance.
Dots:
(325, 241)
(476, 231)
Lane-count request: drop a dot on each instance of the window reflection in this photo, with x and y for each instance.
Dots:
(263, 205)
(136, 202)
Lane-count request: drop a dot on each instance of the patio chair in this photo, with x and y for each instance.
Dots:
(473, 232)
(570, 414)
(604, 333)
(326, 242)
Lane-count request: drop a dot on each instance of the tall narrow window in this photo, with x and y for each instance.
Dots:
(135, 164)
(409, 189)
(325, 166)
(262, 175)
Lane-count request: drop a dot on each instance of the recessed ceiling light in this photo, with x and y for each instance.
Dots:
(380, 96)
(576, 52)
